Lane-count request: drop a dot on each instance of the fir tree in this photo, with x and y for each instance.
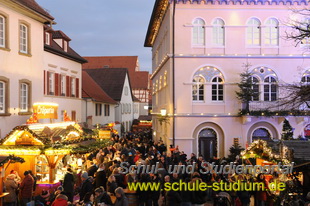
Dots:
(287, 130)
(246, 92)
(234, 151)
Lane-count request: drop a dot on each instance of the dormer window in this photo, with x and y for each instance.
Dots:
(65, 46)
(47, 38)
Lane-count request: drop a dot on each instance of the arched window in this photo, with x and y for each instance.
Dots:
(261, 133)
(217, 89)
(198, 32)
(198, 88)
(306, 79)
(253, 32)
(2, 31)
(218, 32)
(270, 89)
(272, 32)
(255, 87)
(23, 41)
(2, 97)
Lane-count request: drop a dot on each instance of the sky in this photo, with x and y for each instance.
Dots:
(104, 27)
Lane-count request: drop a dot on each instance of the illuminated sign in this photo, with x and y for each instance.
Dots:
(45, 110)
(104, 134)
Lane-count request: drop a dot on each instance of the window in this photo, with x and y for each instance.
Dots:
(198, 32)
(217, 89)
(305, 79)
(23, 41)
(51, 83)
(2, 31)
(198, 88)
(305, 25)
(255, 87)
(261, 133)
(73, 115)
(24, 94)
(106, 110)
(270, 89)
(272, 32)
(72, 87)
(63, 85)
(2, 97)
(42, 168)
(47, 38)
(126, 91)
(65, 46)
(218, 32)
(253, 32)
(98, 109)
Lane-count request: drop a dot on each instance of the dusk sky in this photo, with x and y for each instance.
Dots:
(104, 27)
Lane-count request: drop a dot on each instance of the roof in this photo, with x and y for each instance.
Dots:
(60, 35)
(110, 80)
(145, 117)
(56, 49)
(33, 5)
(138, 79)
(90, 89)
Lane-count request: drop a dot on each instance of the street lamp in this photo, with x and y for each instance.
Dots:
(163, 112)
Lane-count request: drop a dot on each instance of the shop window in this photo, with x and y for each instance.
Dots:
(98, 109)
(106, 110)
(42, 169)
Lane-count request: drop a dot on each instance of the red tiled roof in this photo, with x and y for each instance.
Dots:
(33, 5)
(60, 35)
(90, 89)
(138, 79)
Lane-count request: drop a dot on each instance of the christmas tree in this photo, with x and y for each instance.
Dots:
(287, 130)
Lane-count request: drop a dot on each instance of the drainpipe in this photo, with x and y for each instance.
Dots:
(173, 70)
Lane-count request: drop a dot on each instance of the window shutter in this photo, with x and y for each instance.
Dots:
(44, 82)
(77, 88)
(68, 86)
(47, 83)
(56, 84)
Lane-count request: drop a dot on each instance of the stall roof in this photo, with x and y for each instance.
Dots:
(40, 134)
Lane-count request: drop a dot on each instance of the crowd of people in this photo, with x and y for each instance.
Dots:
(103, 183)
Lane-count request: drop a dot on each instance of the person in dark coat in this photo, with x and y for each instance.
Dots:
(34, 179)
(121, 199)
(86, 186)
(10, 187)
(92, 169)
(111, 185)
(26, 188)
(101, 177)
(68, 184)
(101, 196)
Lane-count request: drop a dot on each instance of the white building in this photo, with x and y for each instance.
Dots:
(24, 56)
(115, 83)
(98, 107)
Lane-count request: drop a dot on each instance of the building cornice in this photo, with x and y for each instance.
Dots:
(158, 14)
(244, 2)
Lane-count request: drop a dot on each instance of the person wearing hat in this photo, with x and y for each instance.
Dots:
(10, 186)
(86, 185)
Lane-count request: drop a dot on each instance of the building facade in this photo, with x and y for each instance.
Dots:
(26, 59)
(199, 49)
